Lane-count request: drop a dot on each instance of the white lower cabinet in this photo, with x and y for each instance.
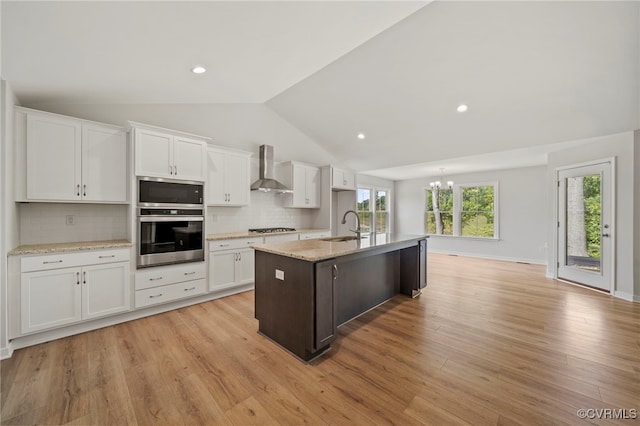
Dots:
(231, 262)
(168, 283)
(53, 297)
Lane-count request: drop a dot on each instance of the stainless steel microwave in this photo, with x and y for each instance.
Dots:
(160, 192)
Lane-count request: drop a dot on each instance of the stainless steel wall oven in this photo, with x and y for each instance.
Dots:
(170, 222)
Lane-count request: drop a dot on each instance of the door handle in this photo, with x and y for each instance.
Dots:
(335, 272)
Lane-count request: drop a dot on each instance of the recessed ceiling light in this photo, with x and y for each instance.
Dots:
(361, 136)
(462, 108)
(198, 70)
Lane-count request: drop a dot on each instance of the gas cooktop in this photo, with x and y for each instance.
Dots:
(271, 230)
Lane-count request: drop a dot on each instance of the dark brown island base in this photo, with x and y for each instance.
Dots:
(305, 289)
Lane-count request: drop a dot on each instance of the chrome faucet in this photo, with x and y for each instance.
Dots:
(344, 221)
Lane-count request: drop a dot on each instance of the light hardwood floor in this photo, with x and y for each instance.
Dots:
(488, 342)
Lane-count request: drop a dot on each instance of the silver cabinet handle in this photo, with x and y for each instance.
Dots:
(157, 295)
(84, 277)
(170, 169)
(335, 272)
(605, 235)
(51, 261)
(175, 170)
(189, 289)
(77, 278)
(84, 190)
(240, 257)
(190, 273)
(224, 245)
(78, 190)
(106, 257)
(155, 279)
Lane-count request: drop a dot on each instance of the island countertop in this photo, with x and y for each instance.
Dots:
(326, 248)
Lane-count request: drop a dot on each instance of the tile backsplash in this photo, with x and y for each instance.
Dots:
(266, 211)
(42, 223)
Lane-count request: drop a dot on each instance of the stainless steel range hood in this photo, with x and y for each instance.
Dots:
(267, 178)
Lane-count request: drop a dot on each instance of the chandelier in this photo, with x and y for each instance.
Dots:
(438, 184)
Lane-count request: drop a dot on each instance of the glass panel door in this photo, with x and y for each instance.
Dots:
(584, 225)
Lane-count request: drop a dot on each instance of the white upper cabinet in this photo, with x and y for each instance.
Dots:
(304, 180)
(104, 164)
(343, 179)
(227, 177)
(170, 154)
(69, 159)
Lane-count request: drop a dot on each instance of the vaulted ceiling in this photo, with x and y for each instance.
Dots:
(533, 74)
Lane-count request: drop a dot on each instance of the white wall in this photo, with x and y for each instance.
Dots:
(9, 237)
(521, 206)
(620, 146)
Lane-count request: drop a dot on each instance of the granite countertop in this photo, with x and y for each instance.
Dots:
(65, 247)
(246, 234)
(321, 249)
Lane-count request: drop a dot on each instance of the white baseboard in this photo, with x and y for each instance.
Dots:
(626, 296)
(46, 336)
(6, 352)
(478, 256)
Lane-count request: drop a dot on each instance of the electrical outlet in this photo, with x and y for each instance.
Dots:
(71, 220)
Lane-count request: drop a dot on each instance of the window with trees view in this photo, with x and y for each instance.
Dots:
(373, 210)
(439, 212)
(466, 210)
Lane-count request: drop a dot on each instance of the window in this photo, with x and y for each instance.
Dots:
(476, 216)
(381, 212)
(439, 212)
(373, 212)
(364, 208)
(467, 210)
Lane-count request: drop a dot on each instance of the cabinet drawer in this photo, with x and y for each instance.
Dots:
(234, 244)
(168, 293)
(68, 260)
(163, 275)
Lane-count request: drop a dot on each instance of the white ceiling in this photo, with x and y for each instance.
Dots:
(533, 73)
(142, 52)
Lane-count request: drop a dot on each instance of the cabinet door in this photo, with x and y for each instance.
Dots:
(53, 158)
(189, 160)
(337, 178)
(153, 153)
(104, 164)
(105, 289)
(348, 180)
(325, 303)
(50, 299)
(299, 186)
(216, 193)
(222, 269)
(313, 187)
(246, 266)
(422, 273)
(237, 179)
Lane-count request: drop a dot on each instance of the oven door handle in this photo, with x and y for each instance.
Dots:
(171, 218)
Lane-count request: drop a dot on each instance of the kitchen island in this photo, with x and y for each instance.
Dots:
(304, 290)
